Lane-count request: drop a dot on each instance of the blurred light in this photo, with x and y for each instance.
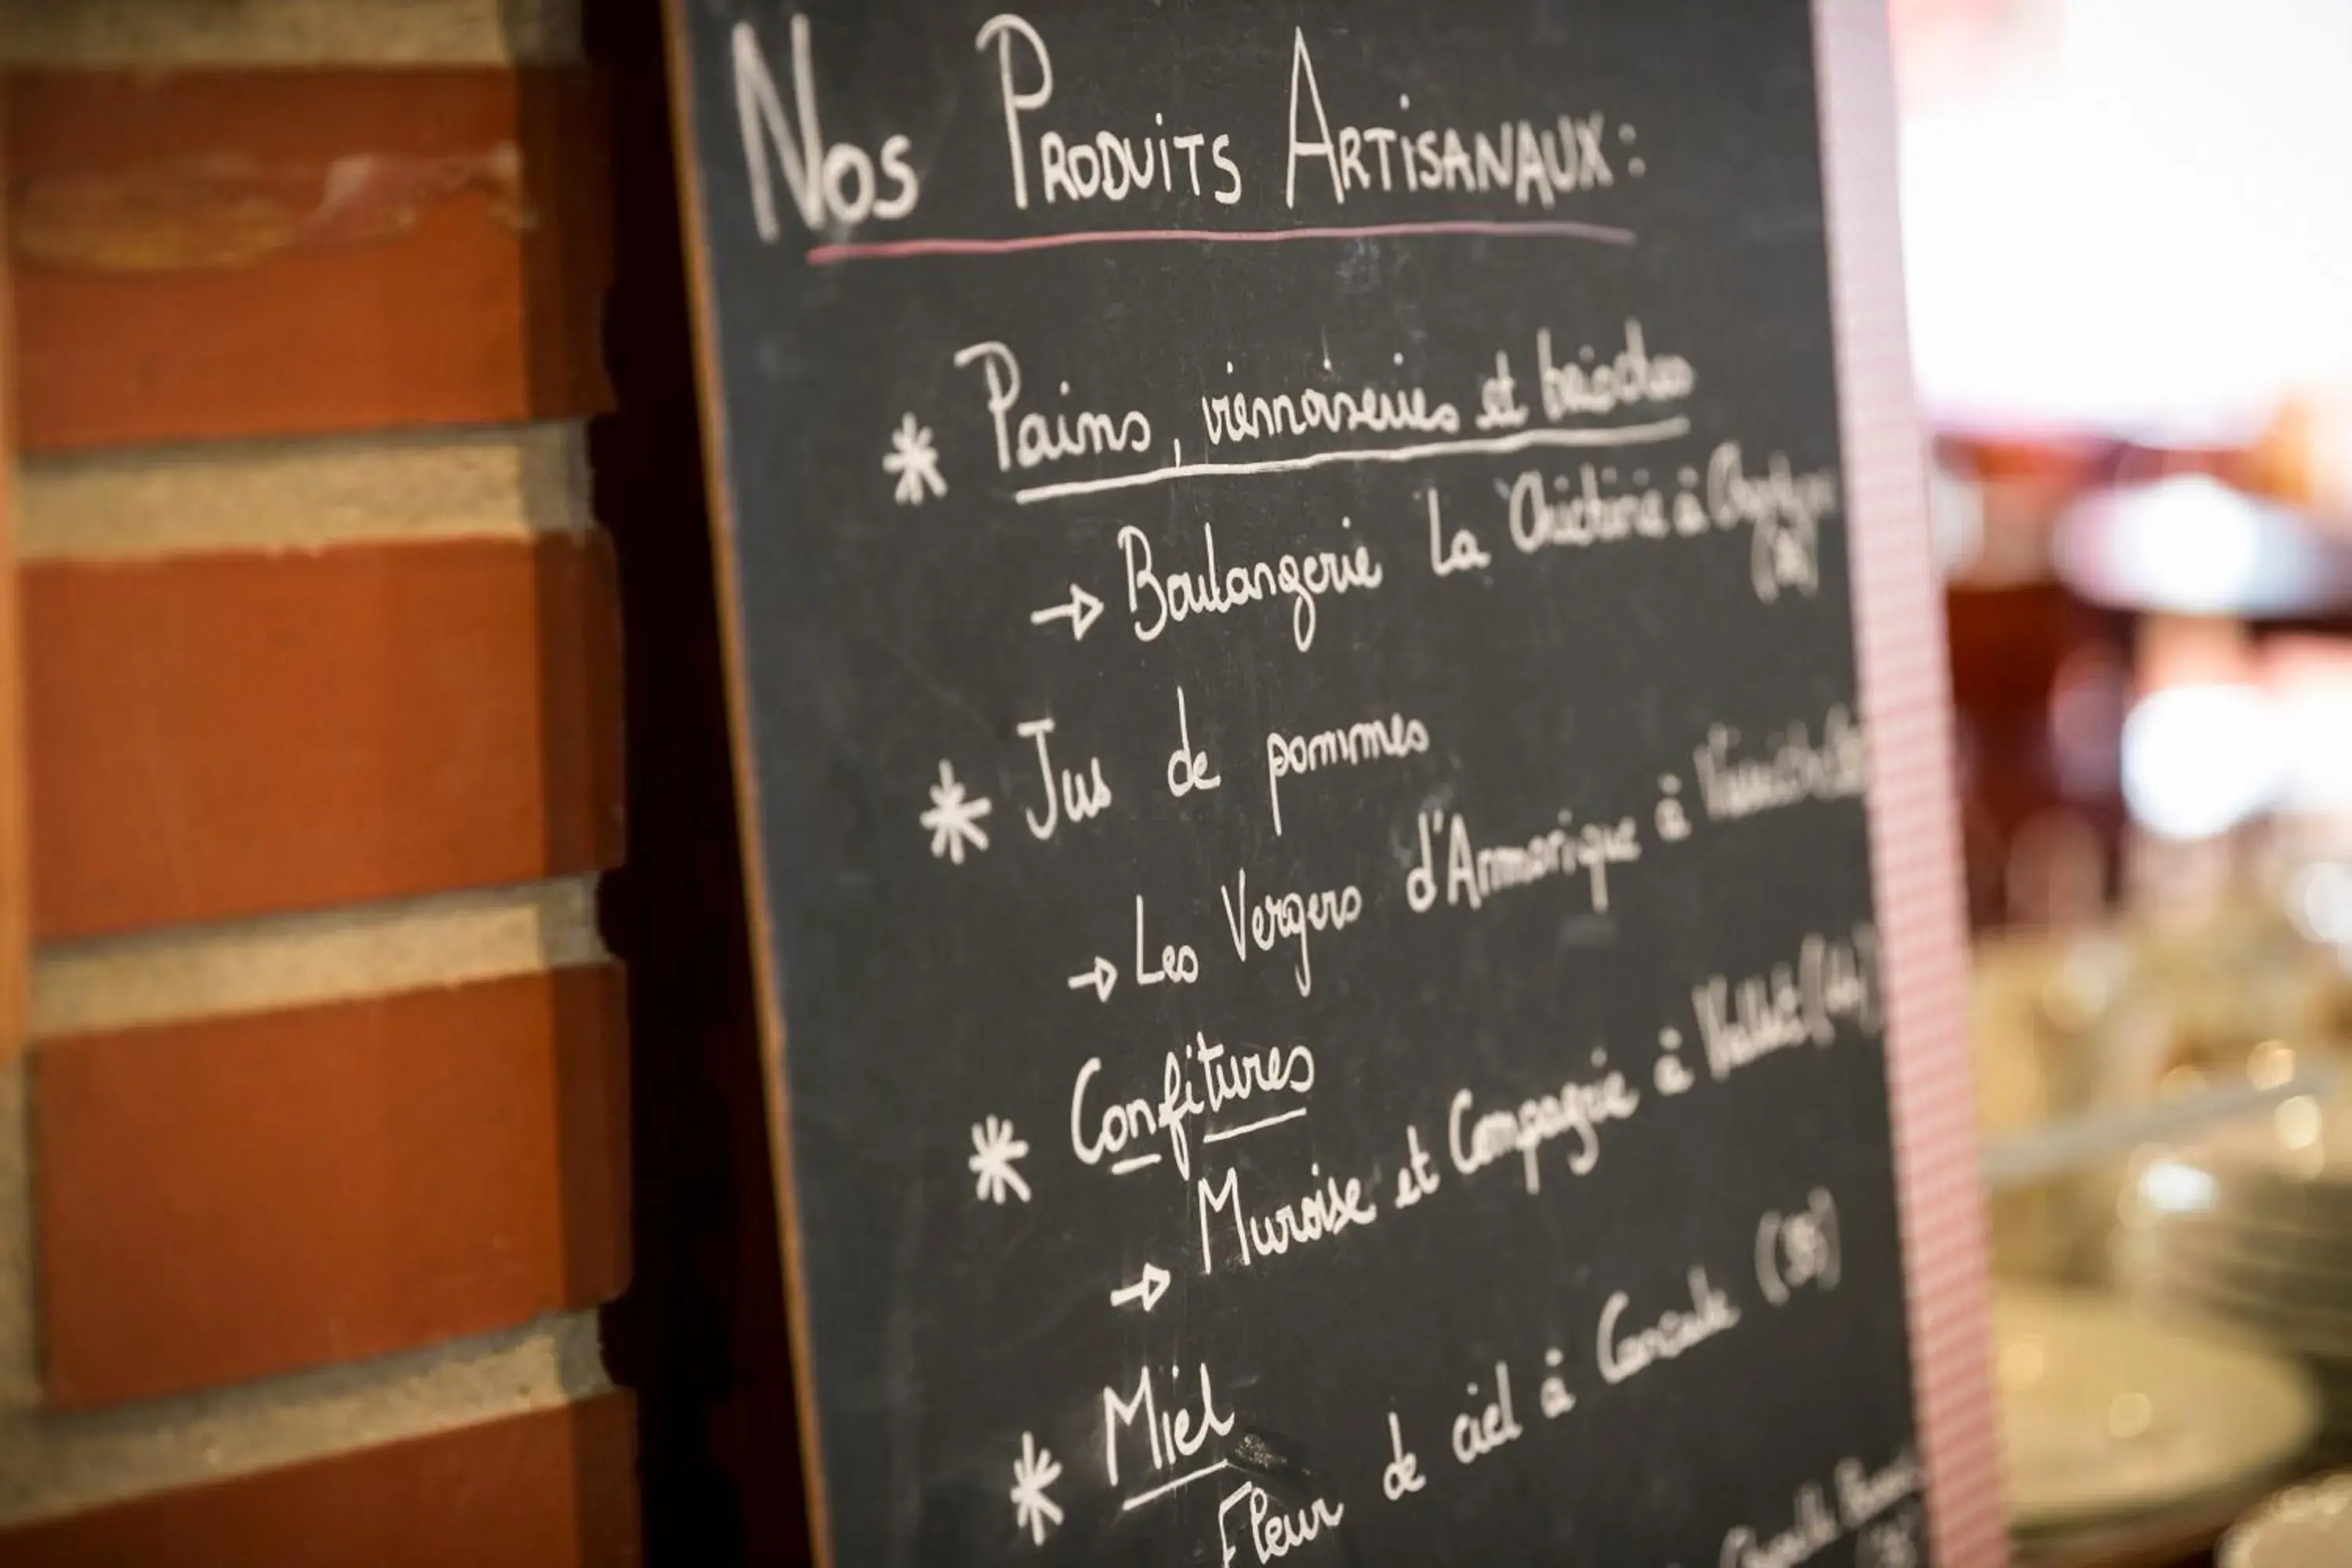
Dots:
(2319, 774)
(2175, 1188)
(2322, 902)
(1956, 516)
(2297, 1122)
(2199, 760)
(2311, 680)
(2270, 1064)
(2129, 1415)
(2079, 988)
(2191, 544)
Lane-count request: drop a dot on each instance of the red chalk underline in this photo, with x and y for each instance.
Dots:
(890, 250)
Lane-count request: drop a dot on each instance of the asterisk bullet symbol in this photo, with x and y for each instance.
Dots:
(914, 462)
(1032, 1472)
(995, 1150)
(953, 820)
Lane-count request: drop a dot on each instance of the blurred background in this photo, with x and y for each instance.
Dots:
(2128, 224)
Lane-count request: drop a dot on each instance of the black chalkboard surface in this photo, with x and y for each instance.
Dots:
(1292, 603)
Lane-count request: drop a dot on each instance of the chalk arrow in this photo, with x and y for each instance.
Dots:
(1080, 612)
(1102, 977)
(1148, 1289)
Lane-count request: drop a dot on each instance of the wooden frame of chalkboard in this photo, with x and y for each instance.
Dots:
(941, 1293)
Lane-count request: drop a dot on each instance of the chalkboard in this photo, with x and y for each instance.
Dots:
(1292, 598)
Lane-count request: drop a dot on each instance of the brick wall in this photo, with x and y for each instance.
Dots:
(314, 1167)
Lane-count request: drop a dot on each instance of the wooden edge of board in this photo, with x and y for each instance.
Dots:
(15, 840)
(1914, 853)
(769, 985)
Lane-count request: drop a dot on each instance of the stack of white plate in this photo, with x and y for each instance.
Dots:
(2109, 1418)
(2302, 1526)
(2249, 1229)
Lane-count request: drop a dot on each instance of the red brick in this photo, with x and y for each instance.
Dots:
(227, 735)
(551, 1490)
(178, 277)
(15, 903)
(222, 1199)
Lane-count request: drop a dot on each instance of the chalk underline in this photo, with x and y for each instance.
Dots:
(1221, 1134)
(1497, 445)
(1156, 1493)
(893, 249)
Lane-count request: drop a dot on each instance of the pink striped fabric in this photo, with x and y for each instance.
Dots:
(1914, 838)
